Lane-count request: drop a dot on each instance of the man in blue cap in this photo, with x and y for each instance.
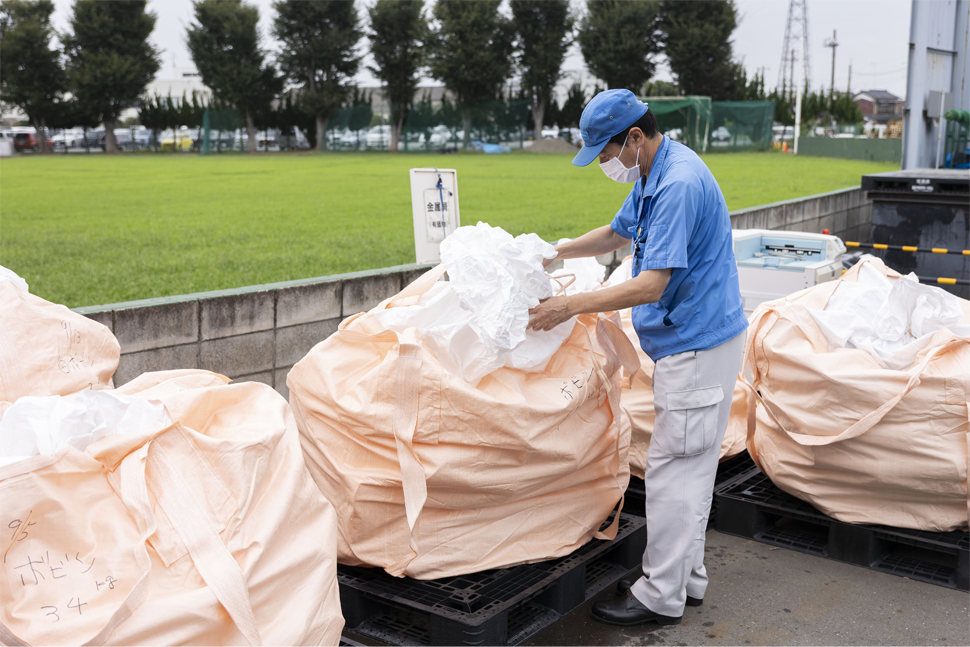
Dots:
(688, 314)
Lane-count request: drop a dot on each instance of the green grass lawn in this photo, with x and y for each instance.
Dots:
(88, 230)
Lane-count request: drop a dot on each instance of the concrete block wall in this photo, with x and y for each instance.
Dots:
(259, 332)
(253, 333)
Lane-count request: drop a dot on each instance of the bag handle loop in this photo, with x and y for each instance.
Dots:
(220, 571)
(404, 424)
(861, 426)
(613, 397)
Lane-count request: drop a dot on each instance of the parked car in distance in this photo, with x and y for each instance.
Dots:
(68, 138)
(94, 138)
(379, 137)
(130, 139)
(177, 140)
(442, 137)
(721, 134)
(675, 134)
(28, 141)
(550, 132)
(573, 135)
(782, 132)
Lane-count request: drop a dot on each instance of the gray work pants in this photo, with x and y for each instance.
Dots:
(692, 398)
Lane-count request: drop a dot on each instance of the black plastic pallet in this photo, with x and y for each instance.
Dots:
(755, 508)
(349, 642)
(496, 607)
(727, 473)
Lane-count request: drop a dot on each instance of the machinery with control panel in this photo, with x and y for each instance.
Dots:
(774, 263)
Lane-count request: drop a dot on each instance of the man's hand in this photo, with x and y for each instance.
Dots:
(549, 313)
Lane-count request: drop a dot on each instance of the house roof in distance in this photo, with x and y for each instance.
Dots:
(877, 95)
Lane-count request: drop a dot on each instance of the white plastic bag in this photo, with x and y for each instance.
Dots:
(45, 425)
(498, 279)
(892, 319)
(588, 273)
(10, 275)
(476, 322)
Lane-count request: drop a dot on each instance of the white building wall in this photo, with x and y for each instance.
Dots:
(939, 33)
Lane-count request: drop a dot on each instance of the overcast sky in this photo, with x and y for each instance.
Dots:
(873, 36)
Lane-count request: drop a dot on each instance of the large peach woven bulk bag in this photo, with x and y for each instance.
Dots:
(861, 442)
(193, 523)
(637, 402)
(432, 476)
(46, 349)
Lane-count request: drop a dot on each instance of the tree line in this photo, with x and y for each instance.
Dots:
(106, 61)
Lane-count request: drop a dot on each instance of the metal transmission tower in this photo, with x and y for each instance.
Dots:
(795, 30)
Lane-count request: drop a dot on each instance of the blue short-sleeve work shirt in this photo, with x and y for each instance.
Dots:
(677, 219)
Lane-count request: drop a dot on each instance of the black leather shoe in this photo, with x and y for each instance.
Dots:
(627, 611)
(627, 583)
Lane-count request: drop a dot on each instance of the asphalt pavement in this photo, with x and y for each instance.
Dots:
(762, 595)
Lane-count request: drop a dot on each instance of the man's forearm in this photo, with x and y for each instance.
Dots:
(602, 240)
(648, 287)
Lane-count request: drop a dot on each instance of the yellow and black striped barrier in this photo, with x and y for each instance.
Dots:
(943, 280)
(908, 248)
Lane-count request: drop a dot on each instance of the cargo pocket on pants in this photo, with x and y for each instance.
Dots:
(693, 420)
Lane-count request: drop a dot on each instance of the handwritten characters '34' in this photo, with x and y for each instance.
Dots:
(42, 569)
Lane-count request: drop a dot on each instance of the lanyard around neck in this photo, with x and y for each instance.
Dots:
(665, 145)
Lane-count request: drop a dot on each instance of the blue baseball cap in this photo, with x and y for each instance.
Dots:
(607, 115)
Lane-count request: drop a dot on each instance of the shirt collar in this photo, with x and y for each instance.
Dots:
(656, 168)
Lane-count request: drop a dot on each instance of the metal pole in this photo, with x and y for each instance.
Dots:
(835, 44)
(793, 71)
(941, 125)
(798, 111)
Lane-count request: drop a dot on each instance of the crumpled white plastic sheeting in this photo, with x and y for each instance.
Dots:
(498, 279)
(588, 273)
(10, 275)
(45, 425)
(891, 319)
(476, 322)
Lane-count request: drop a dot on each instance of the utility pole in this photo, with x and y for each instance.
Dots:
(833, 43)
(848, 86)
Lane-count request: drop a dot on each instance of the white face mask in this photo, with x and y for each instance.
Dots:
(615, 170)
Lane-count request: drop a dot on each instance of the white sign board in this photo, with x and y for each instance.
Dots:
(434, 203)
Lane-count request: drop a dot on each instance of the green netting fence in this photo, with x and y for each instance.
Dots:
(684, 119)
(219, 130)
(741, 125)
(707, 126)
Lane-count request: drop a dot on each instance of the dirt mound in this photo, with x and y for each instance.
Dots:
(553, 146)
